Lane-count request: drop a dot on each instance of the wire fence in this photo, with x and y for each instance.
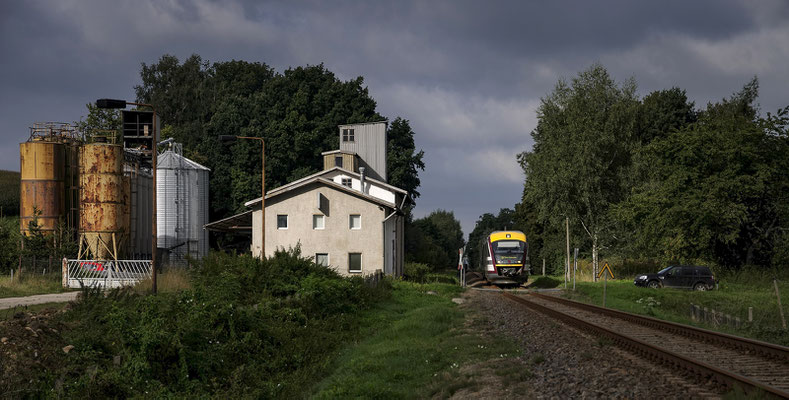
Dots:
(104, 273)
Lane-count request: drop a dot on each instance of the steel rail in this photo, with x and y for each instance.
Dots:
(767, 349)
(702, 369)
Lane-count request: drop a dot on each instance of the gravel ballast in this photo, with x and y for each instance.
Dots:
(566, 362)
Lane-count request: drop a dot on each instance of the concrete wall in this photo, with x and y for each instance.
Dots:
(336, 239)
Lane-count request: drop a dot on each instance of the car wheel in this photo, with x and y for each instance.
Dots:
(653, 285)
(700, 287)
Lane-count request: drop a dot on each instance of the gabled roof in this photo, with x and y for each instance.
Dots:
(313, 177)
(171, 160)
(326, 182)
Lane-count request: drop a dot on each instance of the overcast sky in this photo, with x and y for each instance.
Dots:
(469, 75)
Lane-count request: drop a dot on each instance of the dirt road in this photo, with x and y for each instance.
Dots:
(11, 302)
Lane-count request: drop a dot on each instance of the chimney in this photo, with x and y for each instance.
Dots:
(361, 179)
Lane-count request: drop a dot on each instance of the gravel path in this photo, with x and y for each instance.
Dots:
(11, 302)
(569, 363)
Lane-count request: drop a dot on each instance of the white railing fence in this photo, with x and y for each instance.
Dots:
(104, 273)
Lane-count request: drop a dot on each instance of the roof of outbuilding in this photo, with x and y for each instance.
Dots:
(236, 223)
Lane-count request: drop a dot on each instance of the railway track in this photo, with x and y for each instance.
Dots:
(728, 360)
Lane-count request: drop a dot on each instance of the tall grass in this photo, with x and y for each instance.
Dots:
(29, 284)
(731, 298)
(174, 279)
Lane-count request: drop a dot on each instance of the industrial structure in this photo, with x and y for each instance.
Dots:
(182, 197)
(49, 178)
(89, 187)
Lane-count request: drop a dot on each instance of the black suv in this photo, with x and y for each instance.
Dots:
(679, 276)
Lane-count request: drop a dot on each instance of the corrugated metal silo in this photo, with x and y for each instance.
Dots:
(182, 205)
(103, 223)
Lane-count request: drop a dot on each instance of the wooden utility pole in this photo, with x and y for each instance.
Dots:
(567, 268)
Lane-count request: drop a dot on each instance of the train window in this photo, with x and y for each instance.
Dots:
(509, 251)
(322, 259)
(354, 262)
(355, 221)
(282, 221)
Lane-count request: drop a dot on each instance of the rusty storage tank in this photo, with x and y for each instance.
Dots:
(42, 184)
(103, 219)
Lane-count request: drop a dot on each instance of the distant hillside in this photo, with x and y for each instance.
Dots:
(9, 192)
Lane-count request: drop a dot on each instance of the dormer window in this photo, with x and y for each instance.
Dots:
(347, 135)
(346, 182)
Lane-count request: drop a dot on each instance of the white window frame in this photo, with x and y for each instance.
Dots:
(361, 264)
(318, 217)
(350, 222)
(287, 222)
(322, 254)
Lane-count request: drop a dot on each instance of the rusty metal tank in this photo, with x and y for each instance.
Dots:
(42, 184)
(103, 221)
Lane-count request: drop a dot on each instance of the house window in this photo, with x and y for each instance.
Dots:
(318, 222)
(346, 182)
(347, 135)
(355, 221)
(338, 161)
(322, 259)
(282, 221)
(354, 262)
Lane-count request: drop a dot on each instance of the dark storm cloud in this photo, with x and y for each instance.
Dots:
(467, 74)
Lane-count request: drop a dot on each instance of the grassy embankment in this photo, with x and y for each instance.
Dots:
(239, 327)
(414, 345)
(736, 293)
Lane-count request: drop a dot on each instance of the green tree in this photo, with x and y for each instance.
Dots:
(434, 240)
(582, 147)
(715, 190)
(99, 119)
(402, 159)
(297, 112)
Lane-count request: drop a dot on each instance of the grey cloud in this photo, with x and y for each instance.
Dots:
(468, 74)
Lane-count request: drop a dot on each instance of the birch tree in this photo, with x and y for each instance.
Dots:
(582, 148)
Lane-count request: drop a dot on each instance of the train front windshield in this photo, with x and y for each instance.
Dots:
(508, 251)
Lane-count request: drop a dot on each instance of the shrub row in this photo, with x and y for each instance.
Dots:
(247, 328)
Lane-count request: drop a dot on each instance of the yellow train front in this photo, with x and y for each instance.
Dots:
(505, 258)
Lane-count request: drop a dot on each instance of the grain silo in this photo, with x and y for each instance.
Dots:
(182, 203)
(103, 217)
(47, 177)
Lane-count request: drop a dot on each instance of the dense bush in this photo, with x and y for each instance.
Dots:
(416, 272)
(248, 328)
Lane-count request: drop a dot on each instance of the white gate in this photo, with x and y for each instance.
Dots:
(104, 273)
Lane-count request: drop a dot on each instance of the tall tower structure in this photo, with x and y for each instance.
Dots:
(368, 141)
